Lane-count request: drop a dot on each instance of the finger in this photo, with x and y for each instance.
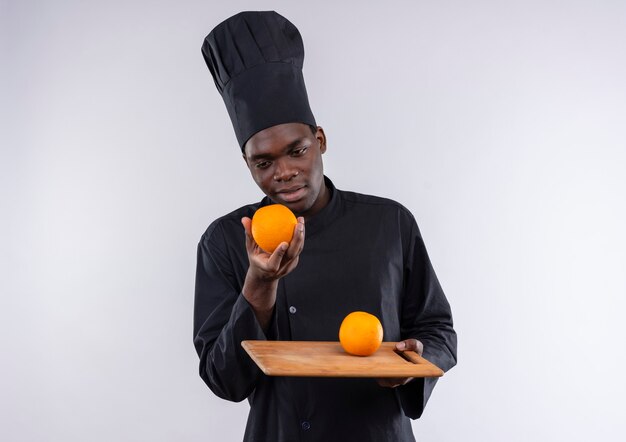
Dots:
(383, 382)
(410, 345)
(247, 227)
(402, 346)
(288, 267)
(301, 234)
(273, 263)
(389, 382)
(297, 241)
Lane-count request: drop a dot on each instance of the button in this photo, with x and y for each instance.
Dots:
(305, 425)
(292, 310)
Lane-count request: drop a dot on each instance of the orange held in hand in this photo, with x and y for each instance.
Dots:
(272, 225)
(360, 334)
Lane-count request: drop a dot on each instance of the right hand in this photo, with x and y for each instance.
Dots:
(266, 269)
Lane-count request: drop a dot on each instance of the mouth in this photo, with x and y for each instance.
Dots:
(291, 194)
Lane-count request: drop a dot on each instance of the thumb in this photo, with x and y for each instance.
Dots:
(247, 223)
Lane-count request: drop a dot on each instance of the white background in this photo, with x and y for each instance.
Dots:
(501, 125)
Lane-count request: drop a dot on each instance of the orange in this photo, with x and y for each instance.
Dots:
(272, 225)
(360, 334)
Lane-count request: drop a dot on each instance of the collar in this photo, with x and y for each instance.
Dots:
(328, 214)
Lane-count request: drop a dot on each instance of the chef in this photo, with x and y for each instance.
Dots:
(349, 252)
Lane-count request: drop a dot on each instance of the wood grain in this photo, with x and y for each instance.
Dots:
(328, 359)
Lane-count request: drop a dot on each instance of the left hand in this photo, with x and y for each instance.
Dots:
(406, 345)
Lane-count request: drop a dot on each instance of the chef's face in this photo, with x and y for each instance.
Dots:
(286, 163)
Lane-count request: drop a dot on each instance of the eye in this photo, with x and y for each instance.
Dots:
(299, 152)
(262, 165)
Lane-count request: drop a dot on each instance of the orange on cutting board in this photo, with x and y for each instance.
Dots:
(272, 225)
(360, 333)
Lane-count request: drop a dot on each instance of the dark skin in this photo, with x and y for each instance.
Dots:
(285, 161)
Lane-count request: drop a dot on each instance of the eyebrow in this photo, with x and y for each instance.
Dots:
(287, 148)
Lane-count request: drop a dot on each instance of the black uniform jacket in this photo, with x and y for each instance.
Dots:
(360, 253)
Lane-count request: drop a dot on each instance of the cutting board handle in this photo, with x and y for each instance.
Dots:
(410, 356)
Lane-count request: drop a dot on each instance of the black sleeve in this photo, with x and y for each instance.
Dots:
(222, 319)
(426, 316)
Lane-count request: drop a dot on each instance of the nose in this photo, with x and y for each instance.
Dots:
(284, 171)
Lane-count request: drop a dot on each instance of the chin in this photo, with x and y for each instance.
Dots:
(298, 207)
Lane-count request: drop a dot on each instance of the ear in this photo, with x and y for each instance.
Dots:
(245, 158)
(321, 137)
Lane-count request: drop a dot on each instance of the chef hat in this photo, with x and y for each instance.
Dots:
(256, 61)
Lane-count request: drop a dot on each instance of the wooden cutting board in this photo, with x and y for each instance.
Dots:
(328, 359)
